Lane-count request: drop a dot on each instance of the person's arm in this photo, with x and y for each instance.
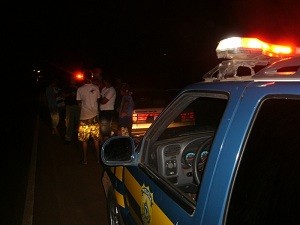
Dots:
(78, 98)
(103, 100)
(107, 96)
(124, 107)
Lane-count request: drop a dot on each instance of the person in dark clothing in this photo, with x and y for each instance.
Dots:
(107, 110)
(52, 92)
(125, 112)
(72, 111)
(117, 84)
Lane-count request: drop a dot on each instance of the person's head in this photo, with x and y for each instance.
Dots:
(107, 81)
(117, 82)
(125, 89)
(97, 71)
(88, 76)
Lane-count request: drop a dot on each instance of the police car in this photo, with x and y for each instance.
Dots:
(236, 163)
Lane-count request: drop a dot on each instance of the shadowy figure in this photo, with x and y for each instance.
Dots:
(107, 110)
(52, 93)
(72, 112)
(125, 112)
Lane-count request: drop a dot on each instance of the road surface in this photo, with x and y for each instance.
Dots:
(60, 190)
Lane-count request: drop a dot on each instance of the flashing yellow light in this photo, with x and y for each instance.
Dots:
(274, 50)
(238, 47)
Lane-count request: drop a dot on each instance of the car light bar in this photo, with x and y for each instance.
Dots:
(252, 48)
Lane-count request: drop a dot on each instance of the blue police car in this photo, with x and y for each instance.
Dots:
(235, 159)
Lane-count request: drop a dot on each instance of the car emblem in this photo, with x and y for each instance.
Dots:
(146, 205)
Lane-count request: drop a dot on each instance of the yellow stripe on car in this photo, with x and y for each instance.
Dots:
(145, 199)
(119, 172)
(133, 186)
(160, 217)
(120, 199)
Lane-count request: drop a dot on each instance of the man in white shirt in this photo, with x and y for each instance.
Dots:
(107, 110)
(88, 96)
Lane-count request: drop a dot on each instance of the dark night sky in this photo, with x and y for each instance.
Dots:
(142, 40)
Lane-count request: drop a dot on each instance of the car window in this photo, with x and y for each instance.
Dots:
(202, 114)
(187, 135)
(267, 184)
(149, 103)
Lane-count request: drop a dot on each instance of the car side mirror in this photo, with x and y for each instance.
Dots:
(118, 151)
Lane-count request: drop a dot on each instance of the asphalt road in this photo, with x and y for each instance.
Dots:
(60, 190)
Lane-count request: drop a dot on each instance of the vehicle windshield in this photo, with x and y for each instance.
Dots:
(202, 115)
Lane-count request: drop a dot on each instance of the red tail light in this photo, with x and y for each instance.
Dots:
(187, 116)
(144, 117)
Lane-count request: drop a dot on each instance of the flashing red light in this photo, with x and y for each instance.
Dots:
(188, 116)
(78, 75)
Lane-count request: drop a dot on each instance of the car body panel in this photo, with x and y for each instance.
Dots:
(219, 173)
(230, 149)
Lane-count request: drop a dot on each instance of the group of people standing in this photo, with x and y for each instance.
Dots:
(97, 109)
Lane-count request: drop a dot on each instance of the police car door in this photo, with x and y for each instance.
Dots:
(163, 188)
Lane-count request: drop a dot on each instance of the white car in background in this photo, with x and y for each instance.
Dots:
(149, 103)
